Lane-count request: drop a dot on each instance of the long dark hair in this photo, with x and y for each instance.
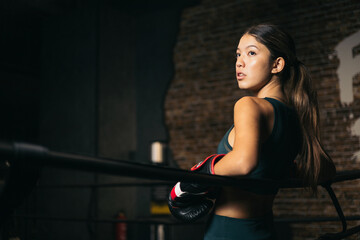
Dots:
(314, 165)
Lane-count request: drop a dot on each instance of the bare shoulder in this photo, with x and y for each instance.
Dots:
(254, 116)
(252, 105)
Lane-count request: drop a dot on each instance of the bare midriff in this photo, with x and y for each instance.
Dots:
(236, 203)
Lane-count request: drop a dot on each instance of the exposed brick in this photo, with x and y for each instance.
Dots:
(199, 103)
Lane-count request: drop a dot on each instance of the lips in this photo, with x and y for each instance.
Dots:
(240, 75)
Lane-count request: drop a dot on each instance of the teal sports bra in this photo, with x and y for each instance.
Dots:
(277, 154)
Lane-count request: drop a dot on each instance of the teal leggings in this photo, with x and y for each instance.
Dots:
(226, 228)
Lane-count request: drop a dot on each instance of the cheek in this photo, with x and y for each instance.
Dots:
(260, 71)
(260, 67)
(255, 70)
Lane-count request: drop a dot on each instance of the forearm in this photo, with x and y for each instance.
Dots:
(235, 164)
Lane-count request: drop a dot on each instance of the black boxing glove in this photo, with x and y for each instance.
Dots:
(191, 201)
(190, 209)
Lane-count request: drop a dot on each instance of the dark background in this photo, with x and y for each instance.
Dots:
(86, 77)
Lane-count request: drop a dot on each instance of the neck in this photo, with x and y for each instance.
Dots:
(272, 89)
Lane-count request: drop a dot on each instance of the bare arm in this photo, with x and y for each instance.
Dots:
(250, 131)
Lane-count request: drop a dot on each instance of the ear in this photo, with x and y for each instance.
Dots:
(278, 65)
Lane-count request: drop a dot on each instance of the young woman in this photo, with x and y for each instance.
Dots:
(275, 131)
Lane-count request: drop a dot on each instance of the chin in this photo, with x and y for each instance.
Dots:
(242, 86)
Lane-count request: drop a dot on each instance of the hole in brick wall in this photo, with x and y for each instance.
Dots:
(356, 50)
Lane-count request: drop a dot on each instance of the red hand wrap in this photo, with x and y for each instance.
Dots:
(208, 164)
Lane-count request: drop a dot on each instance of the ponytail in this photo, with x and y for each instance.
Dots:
(314, 165)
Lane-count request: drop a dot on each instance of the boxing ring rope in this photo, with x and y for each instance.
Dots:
(26, 160)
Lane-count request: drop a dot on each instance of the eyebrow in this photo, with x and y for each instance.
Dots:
(248, 47)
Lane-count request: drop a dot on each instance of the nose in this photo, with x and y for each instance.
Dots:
(239, 61)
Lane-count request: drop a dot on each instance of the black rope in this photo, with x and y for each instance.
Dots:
(171, 221)
(153, 220)
(108, 185)
(336, 205)
(35, 155)
(39, 156)
(340, 235)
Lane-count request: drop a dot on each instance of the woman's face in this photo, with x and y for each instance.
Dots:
(253, 64)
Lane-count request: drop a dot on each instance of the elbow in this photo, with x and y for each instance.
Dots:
(244, 167)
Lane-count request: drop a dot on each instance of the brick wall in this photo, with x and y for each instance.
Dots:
(200, 99)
